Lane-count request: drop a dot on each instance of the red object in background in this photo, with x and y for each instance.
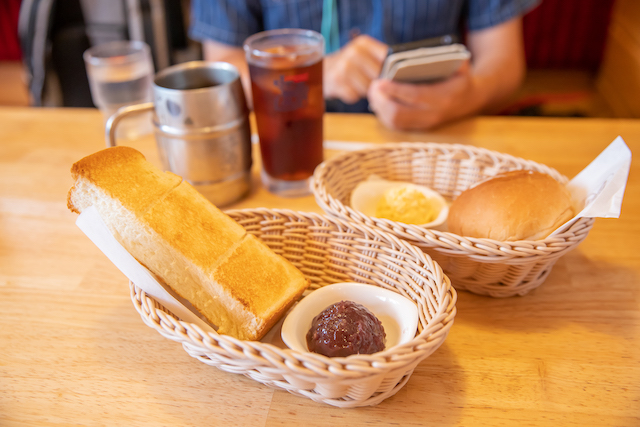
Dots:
(567, 34)
(9, 42)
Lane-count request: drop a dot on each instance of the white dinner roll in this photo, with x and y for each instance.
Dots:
(517, 205)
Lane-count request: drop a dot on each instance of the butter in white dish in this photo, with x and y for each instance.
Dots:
(400, 201)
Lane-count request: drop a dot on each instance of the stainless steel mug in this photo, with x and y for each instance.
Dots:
(201, 123)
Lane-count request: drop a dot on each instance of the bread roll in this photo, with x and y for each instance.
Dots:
(518, 205)
(235, 281)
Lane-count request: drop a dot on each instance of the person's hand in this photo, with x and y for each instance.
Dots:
(405, 106)
(349, 72)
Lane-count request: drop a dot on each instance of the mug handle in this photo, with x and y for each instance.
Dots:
(112, 123)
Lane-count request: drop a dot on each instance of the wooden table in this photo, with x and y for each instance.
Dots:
(73, 351)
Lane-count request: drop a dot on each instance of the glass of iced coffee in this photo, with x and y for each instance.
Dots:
(285, 66)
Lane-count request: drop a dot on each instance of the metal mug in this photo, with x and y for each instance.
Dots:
(201, 124)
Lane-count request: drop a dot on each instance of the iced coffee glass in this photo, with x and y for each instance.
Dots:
(286, 83)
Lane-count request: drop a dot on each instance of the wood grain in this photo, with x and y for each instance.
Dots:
(619, 75)
(75, 352)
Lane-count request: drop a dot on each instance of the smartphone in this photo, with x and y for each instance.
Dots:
(424, 61)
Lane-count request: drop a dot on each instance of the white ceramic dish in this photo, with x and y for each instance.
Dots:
(366, 194)
(399, 315)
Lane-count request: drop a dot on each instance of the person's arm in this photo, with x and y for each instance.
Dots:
(496, 70)
(349, 72)
(216, 51)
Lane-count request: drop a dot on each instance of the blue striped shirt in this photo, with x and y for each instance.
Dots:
(390, 21)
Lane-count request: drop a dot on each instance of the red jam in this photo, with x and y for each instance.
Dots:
(345, 328)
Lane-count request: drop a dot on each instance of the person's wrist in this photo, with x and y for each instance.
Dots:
(479, 93)
(471, 100)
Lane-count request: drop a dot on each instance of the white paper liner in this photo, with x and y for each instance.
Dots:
(598, 190)
(90, 222)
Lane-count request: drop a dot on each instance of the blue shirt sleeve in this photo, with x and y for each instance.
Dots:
(226, 21)
(487, 13)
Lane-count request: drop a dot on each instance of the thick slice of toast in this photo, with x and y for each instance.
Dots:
(235, 281)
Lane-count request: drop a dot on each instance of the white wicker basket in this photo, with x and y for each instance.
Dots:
(327, 251)
(482, 266)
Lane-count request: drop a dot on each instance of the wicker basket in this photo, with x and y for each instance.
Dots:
(482, 266)
(327, 251)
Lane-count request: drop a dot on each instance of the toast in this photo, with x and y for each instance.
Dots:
(234, 280)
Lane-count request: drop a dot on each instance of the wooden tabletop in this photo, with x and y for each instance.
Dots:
(73, 350)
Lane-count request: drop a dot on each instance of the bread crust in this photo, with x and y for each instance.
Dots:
(259, 282)
(234, 280)
(516, 205)
(124, 174)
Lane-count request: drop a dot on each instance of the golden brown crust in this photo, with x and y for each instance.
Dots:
(193, 226)
(70, 204)
(262, 281)
(124, 173)
(517, 205)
